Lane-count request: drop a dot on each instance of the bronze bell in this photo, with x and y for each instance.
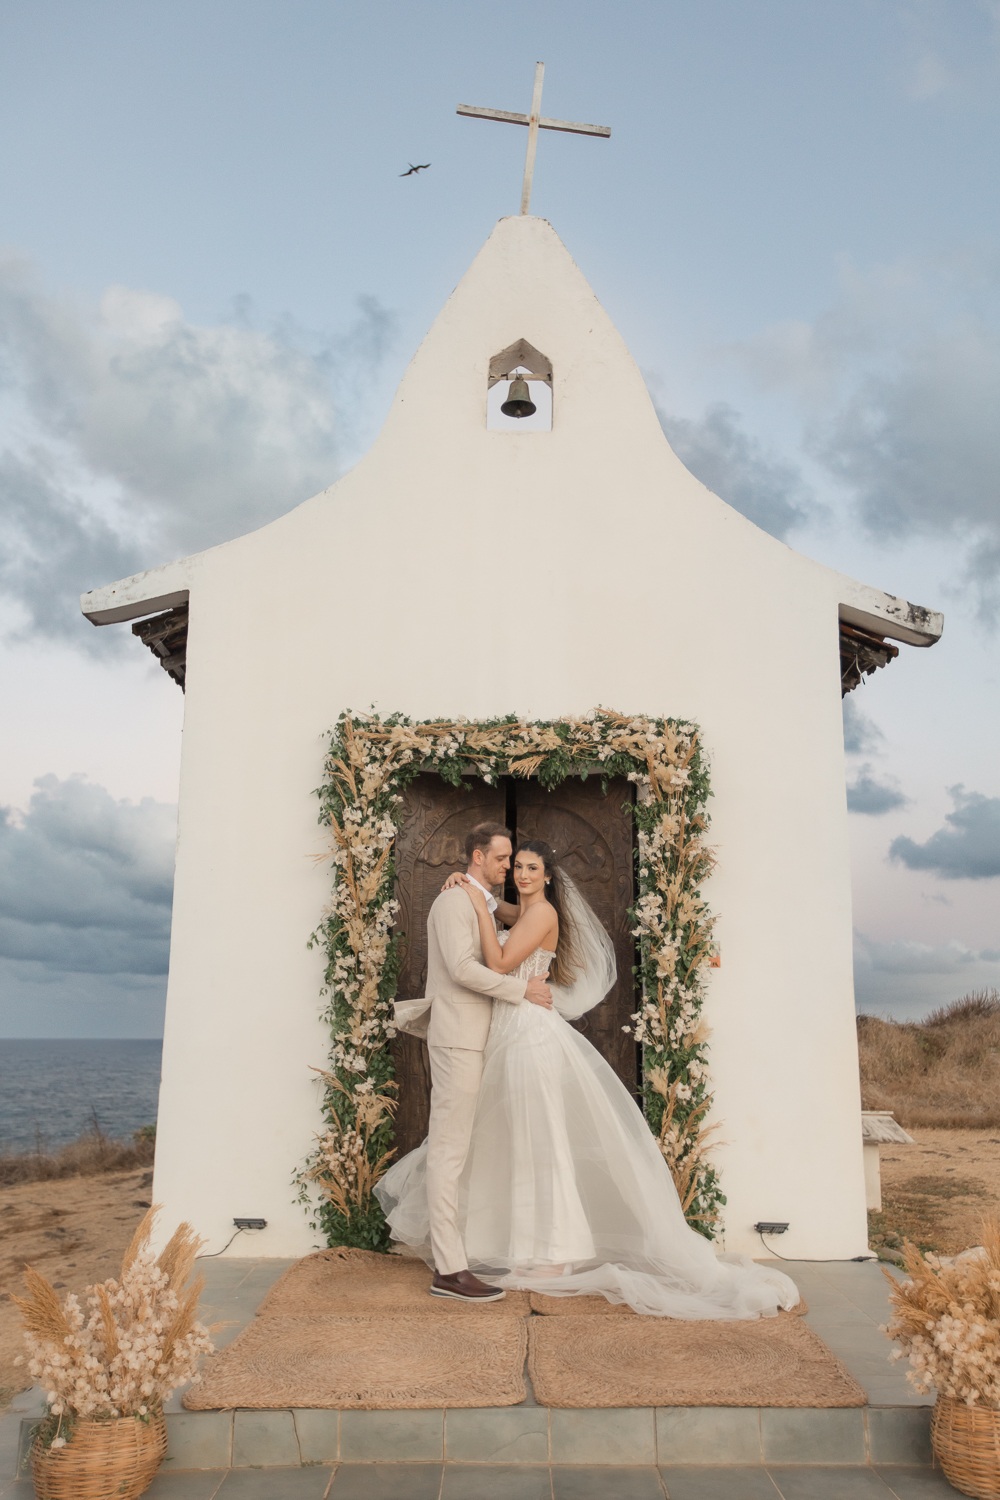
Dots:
(518, 402)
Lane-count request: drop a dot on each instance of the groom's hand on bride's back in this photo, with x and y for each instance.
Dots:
(538, 992)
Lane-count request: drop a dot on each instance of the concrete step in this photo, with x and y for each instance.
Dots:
(531, 1435)
(453, 1481)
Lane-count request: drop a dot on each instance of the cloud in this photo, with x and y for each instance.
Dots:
(900, 957)
(908, 361)
(907, 980)
(737, 468)
(137, 436)
(867, 795)
(969, 849)
(873, 316)
(38, 1001)
(920, 448)
(50, 544)
(949, 49)
(86, 882)
(861, 734)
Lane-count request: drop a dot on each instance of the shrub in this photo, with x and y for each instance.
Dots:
(944, 1071)
(89, 1154)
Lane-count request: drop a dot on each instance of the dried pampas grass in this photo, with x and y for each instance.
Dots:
(140, 1341)
(946, 1319)
(343, 1168)
(684, 1143)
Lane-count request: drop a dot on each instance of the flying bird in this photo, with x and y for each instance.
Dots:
(413, 170)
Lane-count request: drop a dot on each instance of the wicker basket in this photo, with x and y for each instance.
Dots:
(967, 1446)
(109, 1460)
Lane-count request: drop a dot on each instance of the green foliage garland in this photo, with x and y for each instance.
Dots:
(369, 763)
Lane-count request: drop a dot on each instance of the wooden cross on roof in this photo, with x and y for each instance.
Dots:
(534, 122)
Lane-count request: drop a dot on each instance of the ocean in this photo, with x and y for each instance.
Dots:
(53, 1089)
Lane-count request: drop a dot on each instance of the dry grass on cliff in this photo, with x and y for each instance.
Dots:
(943, 1071)
(90, 1154)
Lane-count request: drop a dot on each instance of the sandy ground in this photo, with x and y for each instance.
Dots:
(938, 1190)
(75, 1231)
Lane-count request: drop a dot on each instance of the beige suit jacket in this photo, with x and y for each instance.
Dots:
(460, 987)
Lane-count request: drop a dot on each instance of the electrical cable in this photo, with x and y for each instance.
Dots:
(224, 1248)
(812, 1260)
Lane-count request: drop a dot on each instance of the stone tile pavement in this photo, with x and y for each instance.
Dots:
(848, 1301)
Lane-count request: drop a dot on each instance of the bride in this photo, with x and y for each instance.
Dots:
(564, 1189)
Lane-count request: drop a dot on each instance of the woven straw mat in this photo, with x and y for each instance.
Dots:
(588, 1361)
(352, 1282)
(369, 1363)
(579, 1307)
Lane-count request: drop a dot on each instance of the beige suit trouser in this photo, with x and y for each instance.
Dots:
(455, 1076)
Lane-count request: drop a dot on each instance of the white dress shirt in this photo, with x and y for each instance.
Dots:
(491, 904)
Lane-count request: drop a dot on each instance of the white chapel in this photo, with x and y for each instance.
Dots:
(653, 597)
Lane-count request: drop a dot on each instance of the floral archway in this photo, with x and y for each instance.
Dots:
(369, 762)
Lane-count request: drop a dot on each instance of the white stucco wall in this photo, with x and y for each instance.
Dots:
(649, 594)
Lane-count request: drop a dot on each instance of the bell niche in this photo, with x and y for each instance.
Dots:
(519, 390)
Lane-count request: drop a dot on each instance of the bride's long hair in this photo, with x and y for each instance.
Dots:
(566, 964)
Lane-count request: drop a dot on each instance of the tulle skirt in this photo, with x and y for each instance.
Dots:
(565, 1191)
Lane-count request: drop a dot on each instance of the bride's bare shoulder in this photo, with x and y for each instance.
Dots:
(539, 920)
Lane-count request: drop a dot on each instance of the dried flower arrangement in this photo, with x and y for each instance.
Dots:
(343, 1165)
(946, 1319)
(140, 1341)
(684, 1144)
(370, 761)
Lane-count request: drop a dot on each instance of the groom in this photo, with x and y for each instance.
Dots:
(462, 990)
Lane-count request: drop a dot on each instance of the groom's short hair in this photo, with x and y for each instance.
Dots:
(482, 836)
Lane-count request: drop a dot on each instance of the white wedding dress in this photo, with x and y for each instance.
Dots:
(565, 1191)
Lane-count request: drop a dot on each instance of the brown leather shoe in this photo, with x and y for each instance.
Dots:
(466, 1287)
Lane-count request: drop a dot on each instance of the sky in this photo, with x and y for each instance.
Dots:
(212, 277)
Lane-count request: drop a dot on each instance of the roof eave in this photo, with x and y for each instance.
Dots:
(143, 594)
(886, 615)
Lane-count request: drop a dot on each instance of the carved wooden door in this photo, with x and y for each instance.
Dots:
(429, 846)
(592, 836)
